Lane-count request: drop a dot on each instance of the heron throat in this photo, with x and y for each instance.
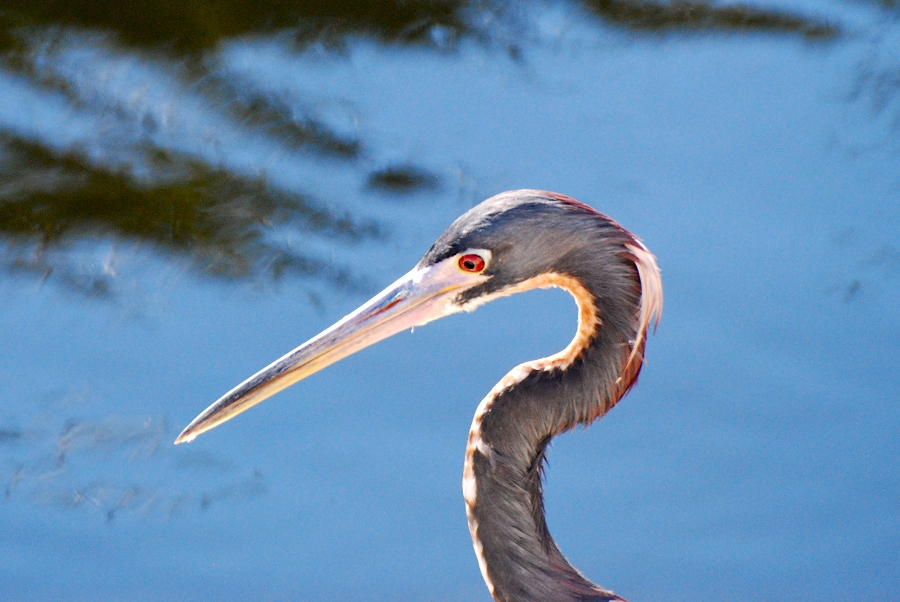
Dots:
(538, 400)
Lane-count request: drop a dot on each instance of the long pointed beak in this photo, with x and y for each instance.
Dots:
(422, 295)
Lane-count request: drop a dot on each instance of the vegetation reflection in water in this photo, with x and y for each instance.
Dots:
(186, 205)
(219, 220)
(192, 26)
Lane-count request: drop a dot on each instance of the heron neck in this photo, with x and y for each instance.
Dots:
(502, 485)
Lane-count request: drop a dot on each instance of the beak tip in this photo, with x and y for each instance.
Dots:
(185, 437)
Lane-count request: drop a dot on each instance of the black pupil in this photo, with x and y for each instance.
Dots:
(470, 265)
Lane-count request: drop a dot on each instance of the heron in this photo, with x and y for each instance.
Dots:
(510, 243)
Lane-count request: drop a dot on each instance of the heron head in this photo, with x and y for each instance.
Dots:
(515, 237)
(496, 248)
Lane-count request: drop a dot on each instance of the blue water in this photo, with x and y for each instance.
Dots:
(758, 458)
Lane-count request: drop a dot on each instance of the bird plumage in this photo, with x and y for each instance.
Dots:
(512, 242)
(566, 244)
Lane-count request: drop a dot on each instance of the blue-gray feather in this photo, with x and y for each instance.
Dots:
(530, 233)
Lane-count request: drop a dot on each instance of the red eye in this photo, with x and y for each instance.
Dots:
(471, 263)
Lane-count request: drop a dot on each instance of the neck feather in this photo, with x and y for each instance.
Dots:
(536, 401)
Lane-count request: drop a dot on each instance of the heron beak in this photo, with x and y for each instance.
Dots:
(421, 296)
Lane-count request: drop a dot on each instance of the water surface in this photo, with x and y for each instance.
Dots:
(186, 196)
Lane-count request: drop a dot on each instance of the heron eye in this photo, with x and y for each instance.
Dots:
(471, 263)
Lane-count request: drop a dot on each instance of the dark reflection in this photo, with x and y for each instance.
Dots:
(221, 221)
(200, 24)
(115, 466)
(699, 16)
(880, 84)
(888, 4)
(55, 200)
(10, 435)
(877, 84)
(403, 179)
(279, 119)
(870, 264)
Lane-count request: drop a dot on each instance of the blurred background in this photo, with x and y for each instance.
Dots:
(190, 189)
